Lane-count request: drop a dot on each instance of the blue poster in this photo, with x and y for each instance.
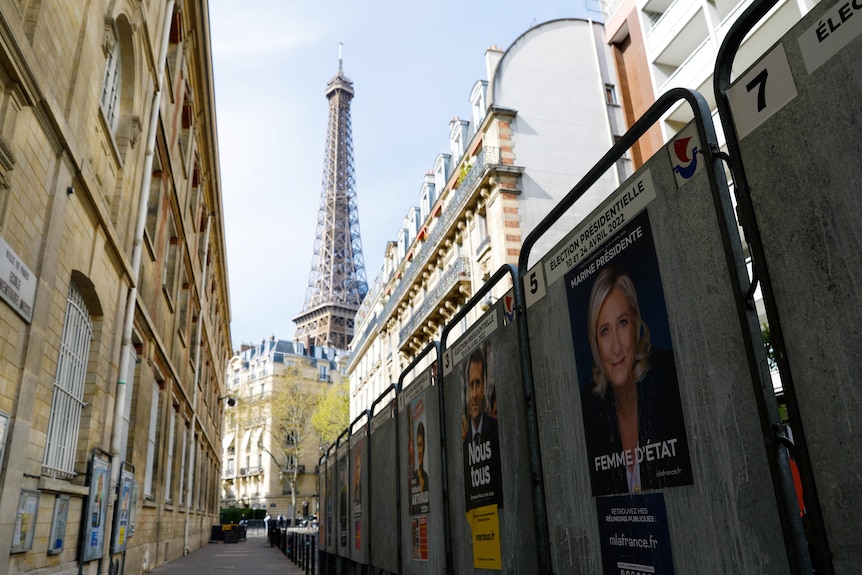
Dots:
(123, 511)
(633, 534)
(97, 509)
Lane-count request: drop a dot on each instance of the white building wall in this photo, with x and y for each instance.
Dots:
(683, 40)
(553, 78)
(551, 84)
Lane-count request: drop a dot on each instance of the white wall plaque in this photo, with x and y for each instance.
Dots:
(17, 282)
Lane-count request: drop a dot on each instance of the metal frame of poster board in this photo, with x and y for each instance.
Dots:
(85, 534)
(25, 521)
(532, 281)
(326, 556)
(120, 531)
(327, 519)
(434, 346)
(777, 442)
(327, 511)
(540, 523)
(358, 555)
(59, 520)
(342, 508)
(321, 495)
(390, 397)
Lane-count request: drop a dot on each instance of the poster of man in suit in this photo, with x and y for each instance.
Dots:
(479, 434)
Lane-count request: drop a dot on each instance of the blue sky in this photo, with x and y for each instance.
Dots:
(412, 65)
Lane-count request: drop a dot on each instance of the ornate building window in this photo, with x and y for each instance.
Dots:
(183, 460)
(68, 400)
(441, 172)
(478, 103)
(118, 84)
(458, 138)
(171, 262)
(154, 201)
(151, 443)
(110, 99)
(403, 242)
(427, 199)
(171, 448)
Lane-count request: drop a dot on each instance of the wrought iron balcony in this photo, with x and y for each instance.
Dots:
(422, 252)
(459, 272)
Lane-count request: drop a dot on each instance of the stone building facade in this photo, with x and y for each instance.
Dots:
(544, 116)
(114, 310)
(263, 469)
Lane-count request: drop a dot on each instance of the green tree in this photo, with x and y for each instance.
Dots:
(332, 415)
(285, 415)
(293, 403)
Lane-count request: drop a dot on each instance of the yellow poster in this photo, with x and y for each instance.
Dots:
(485, 524)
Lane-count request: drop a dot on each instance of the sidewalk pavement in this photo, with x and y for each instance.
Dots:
(254, 555)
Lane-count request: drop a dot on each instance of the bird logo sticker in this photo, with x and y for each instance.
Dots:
(685, 154)
(508, 308)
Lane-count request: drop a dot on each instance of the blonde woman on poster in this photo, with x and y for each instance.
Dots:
(632, 409)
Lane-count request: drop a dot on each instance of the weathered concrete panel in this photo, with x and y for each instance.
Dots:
(510, 481)
(341, 504)
(804, 171)
(424, 544)
(327, 473)
(727, 519)
(382, 510)
(358, 516)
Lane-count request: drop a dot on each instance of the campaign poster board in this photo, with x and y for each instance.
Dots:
(329, 511)
(634, 536)
(57, 541)
(421, 453)
(383, 483)
(96, 508)
(358, 497)
(343, 510)
(492, 520)
(797, 113)
(682, 262)
(25, 521)
(323, 493)
(123, 511)
(632, 415)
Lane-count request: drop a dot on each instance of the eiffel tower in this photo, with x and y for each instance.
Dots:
(336, 284)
